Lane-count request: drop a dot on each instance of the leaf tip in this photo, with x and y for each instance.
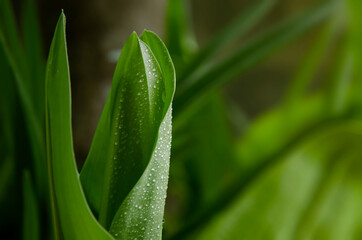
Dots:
(62, 15)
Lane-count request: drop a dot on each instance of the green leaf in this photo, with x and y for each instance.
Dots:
(353, 17)
(10, 38)
(179, 36)
(93, 170)
(31, 223)
(338, 89)
(33, 51)
(141, 214)
(209, 129)
(130, 150)
(240, 25)
(13, 48)
(289, 124)
(69, 203)
(8, 103)
(208, 156)
(8, 153)
(217, 74)
(162, 56)
(324, 168)
(256, 151)
(334, 212)
(136, 105)
(310, 64)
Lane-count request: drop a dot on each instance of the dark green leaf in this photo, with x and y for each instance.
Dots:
(34, 56)
(14, 51)
(180, 39)
(7, 103)
(31, 223)
(207, 154)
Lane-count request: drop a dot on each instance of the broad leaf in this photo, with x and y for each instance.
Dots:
(69, 204)
(130, 150)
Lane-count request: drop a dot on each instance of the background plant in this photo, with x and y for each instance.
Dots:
(292, 173)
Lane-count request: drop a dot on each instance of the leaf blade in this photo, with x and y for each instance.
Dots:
(31, 226)
(75, 218)
(14, 52)
(268, 206)
(240, 25)
(144, 76)
(215, 75)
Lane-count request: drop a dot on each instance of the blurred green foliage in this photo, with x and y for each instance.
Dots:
(295, 172)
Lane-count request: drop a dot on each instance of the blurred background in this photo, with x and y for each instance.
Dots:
(272, 151)
(96, 31)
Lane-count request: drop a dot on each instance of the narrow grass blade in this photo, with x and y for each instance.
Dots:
(338, 89)
(309, 67)
(7, 102)
(10, 38)
(34, 56)
(69, 203)
(7, 175)
(240, 25)
(246, 57)
(8, 106)
(31, 223)
(353, 17)
(11, 43)
(180, 39)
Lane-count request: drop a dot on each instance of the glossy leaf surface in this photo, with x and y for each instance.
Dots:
(70, 207)
(129, 158)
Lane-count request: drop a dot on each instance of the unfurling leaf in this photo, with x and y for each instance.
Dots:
(125, 175)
